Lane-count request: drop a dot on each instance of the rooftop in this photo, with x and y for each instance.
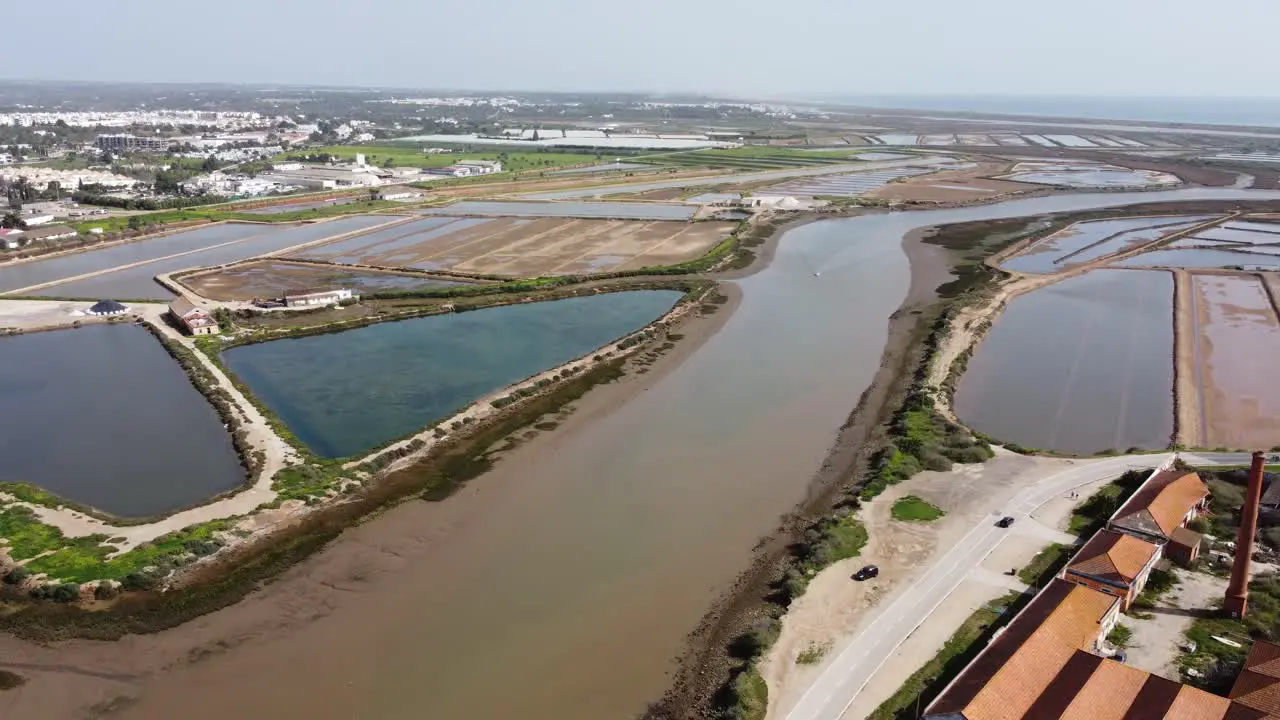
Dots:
(1008, 677)
(1159, 505)
(1113, 557)
(1258, 685)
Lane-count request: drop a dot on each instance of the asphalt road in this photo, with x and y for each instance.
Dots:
(862, 656)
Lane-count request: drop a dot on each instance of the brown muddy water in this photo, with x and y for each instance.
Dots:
(562, 583)
(1238, 338)
(1079, 366)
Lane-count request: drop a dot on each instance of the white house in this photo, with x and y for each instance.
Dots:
(314, 297)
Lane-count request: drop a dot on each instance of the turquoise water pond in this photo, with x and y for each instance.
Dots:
(345, 393)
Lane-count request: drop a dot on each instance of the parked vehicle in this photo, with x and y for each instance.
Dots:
(866, 573)
(1004, 522)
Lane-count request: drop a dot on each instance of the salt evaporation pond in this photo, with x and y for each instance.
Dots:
(102, 416)
(1086, 176)
(348, 392)
(138, 281)
(36, 272)
(1080, 366)
(1047, 255)
(615, 210)
(1206, 258)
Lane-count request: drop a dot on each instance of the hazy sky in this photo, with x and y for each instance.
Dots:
(778, 47)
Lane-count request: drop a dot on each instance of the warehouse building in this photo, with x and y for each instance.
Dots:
(194, 320)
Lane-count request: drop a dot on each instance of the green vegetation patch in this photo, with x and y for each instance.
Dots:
(83, 559)
(1159, 582)
(812, 654)
(1092, 515)
(1120, 635)
(927, 683)
(922, 440)
(915, 509)
(751, 694)
(1217, 663)
(1045, 565)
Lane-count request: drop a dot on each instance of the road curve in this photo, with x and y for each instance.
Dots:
(860, 657)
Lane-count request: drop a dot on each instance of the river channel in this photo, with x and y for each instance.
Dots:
(564, 582)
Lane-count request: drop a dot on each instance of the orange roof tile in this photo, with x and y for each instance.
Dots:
(1195, 704)
(1264, 658)
(1073, 625)
(1113, 556)
(1258, 685)
(1162, 501)
(1108, 693)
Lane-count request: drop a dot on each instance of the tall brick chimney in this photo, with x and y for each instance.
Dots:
(1237, 600)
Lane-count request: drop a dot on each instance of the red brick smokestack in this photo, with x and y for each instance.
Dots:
(1237, 600)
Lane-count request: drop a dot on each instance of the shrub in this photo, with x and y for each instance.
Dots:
(139, 581)
(66, 593)
(17, 576)
(934, 461)
(105, 591)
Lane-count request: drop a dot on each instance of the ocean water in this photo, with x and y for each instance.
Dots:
(1264, 112)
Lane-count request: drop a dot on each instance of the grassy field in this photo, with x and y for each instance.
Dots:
(1045, 565)
(412, 156)
(914, 509)
(214, 214)
(1092, 515)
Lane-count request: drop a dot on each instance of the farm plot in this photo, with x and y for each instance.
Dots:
(273, 278)
(527, 247)
(1235, 333)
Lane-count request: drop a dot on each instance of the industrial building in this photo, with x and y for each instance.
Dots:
(12, 238)
(194, 320)
(1053, 660)
(467, 168)
(49, 232)
(314, 297)
(131, 143)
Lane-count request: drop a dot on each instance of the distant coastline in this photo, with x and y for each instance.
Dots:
(1258, 112)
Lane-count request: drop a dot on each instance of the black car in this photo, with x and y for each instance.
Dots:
(1005, 521)
(866, 573)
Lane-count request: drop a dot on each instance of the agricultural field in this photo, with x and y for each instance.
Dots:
(273, 278)
(525, 247)
(413, 156)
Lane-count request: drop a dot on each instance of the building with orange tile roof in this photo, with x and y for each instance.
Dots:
(1169, 499)
(1115, 564)
(1012, 672)
(1258, 685)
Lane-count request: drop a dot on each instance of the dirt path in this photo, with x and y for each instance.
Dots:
(1189, 428)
